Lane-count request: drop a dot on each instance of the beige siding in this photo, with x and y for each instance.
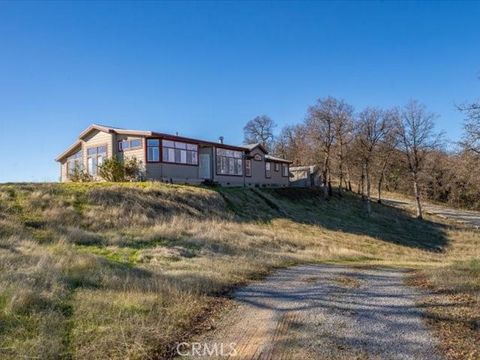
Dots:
(63, 165)
(176, 172)
(98, 138)
(63, 171)
(134, 153)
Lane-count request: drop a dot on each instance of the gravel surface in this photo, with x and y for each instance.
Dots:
(324, 312)
(466, 217)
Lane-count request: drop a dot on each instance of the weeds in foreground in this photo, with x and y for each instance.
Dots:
(124, 270)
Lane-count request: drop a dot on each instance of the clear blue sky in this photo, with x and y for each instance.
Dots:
(204, 69)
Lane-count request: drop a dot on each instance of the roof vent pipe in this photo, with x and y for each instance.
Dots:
(220, 140)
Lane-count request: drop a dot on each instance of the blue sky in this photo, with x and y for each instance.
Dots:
(205, 68)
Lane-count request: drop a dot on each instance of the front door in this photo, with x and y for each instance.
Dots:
(205, 167)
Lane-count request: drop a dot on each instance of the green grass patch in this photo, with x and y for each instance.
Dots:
(121, 255)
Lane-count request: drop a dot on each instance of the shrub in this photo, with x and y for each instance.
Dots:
(112, 170)
(79, 175)
(115, 170)
(133, 168)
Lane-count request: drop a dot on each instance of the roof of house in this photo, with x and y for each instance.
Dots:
(114, 130)
(250, 147)
(120, 131)
(311, 168)
(274, 158)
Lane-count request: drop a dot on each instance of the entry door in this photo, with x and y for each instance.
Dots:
(205, 167)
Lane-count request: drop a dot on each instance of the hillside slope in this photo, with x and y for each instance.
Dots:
(125, 270)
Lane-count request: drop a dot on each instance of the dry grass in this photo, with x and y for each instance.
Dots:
(123, 271)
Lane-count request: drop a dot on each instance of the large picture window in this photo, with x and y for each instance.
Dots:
(229, 162)
(153, 150)
(95, 157)
(75, 163)
(177, 152)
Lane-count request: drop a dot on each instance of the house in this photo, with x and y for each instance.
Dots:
(173, 158)
(305, 176)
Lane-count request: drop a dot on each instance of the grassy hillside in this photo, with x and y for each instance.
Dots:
(124, 271)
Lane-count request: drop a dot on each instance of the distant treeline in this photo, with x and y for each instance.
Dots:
(376, 149)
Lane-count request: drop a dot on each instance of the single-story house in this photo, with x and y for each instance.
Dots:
(305, 176)
(173, 158)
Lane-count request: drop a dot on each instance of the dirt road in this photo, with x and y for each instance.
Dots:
(323, 312)
(466, 217)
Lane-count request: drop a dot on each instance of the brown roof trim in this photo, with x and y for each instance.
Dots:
(204, 142)
(112, 130)
(69, 150)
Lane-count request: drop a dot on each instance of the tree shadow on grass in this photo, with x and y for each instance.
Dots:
(346, 213)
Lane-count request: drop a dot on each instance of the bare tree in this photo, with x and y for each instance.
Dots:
(374, 126)
(417, 139)
(471, 127)
(259, 130)
(471, 137)
(288, 143)
(321, 127)
(344, 123)
(386, 151)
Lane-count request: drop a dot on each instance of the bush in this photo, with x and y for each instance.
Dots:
(133, 168)
(115, 170)
(79, 175)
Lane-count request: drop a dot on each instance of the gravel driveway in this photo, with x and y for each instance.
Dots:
(466, 217)
(324, 312)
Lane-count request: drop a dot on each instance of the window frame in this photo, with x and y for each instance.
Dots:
(95, 156)
(120, 147)
(245, 164)
(159, 150)
(175, 148)
(268, 173)
(276, 166)
(242, 158)
(285, 166)
(77, 159)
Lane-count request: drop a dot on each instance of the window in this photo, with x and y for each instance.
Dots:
(229, 162)
(277, 167)
(135, 144)
(123, 145)
(179, 152)
(129, 144)
(153, 150)
(285, 170)
(248, 167)
(95, 157)
(75, 163)
(268, 169)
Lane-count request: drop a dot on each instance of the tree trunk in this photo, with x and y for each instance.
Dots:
(341, 176)
(330, 192)
(348, 183)
(417, 197)
(362, 183)
(367, 176)
(380, 181)
(326, 175)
